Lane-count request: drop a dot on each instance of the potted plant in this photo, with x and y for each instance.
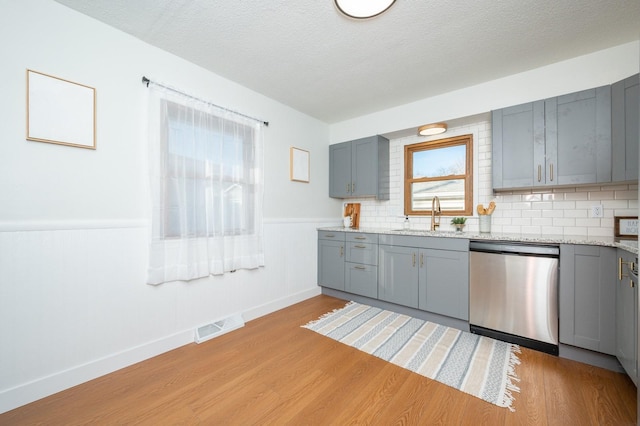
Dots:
(459, 223)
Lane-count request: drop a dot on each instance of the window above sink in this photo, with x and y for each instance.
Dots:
(442, 168)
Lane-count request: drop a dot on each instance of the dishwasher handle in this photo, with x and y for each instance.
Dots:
(514, 249)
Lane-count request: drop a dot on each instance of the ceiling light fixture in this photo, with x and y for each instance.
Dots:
(363, 9)
(432, 129)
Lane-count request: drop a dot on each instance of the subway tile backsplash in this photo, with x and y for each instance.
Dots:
(558, 211)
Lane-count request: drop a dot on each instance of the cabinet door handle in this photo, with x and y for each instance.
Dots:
(421, 260)
(539, 172)
(341, 251)
(353, 188)
(620, 263)
(619, 269)
(348, 186)
(359, 246)
(551, 170)
(631, 283)
(414, 260)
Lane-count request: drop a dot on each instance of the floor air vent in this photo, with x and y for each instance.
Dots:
(218, 328)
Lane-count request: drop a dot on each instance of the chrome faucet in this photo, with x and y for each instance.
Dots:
(435, 212)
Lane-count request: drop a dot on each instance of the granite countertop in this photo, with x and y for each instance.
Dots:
(629, 245)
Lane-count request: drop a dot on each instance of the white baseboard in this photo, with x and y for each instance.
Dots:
(276, 305)
(45, 386)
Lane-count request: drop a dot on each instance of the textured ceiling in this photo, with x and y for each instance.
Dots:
(306, 55)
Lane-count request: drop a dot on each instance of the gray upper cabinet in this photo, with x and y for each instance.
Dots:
(578, 137)
(625, 108)
(587, 297)
(359, 168)
(518, 132)
(564, 140)
(340, 170)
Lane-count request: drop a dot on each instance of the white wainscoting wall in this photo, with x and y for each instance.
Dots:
(74, 304)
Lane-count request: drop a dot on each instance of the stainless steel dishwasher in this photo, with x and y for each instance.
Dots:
(513, 293)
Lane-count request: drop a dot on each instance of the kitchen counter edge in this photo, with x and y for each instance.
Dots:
(628, 245)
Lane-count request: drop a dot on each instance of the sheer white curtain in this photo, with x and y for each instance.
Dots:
(206, 176)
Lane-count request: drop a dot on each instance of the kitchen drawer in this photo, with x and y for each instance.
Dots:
(331, 235)
(361, 279)
(361, 237)
(427, 242)
(366, 253)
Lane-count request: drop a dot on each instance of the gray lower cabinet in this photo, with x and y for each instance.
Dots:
(626, 316)
(431, 274)
(359, 168)
(587, 299)
(361, 267)
(625, 106)
(331, 246)
(398, 275)
(444, 282)
(564, 140)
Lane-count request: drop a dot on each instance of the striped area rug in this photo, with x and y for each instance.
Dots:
(477, 365)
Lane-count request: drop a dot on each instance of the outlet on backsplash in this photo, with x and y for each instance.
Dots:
(596, 211)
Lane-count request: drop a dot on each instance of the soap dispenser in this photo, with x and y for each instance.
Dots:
(406, 225)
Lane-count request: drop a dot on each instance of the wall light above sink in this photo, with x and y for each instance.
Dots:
(432, 129)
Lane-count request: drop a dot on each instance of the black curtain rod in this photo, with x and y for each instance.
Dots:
(146, 81)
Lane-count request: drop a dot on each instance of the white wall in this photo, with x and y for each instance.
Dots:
(73, 300)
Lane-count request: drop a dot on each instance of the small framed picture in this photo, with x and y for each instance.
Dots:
(298, 165)
(626, 227)
(60, 111)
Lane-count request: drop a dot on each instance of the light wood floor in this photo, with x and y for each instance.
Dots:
(272, 371)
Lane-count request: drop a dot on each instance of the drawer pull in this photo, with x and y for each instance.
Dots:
(329, 235)
(360, 238)
(362, 268)
(359, 246)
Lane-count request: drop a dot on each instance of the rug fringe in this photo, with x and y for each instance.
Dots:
(512, 377)
(328, 314)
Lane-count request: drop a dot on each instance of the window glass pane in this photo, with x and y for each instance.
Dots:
(440, 162)
(209, 175)
(450, 193)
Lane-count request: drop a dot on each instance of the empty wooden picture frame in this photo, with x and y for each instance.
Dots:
(625, 227)
(60, 111)
(298, 165)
